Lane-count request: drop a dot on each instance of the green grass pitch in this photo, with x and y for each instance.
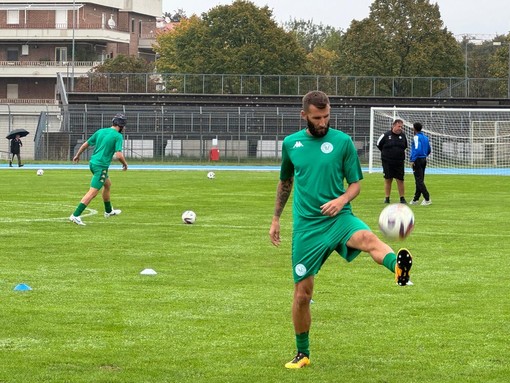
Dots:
(219, 308)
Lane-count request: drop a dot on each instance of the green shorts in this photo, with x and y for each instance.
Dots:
(311, 248)
(100, 175)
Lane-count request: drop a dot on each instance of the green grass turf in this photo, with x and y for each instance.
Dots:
(219, 308)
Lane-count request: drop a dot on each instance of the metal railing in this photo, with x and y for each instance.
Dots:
(62, 26)
(48, 63)
(286, 85)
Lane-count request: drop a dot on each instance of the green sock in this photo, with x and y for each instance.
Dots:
(390, 261)
(79, 209)
(107, 206)
(303, 343)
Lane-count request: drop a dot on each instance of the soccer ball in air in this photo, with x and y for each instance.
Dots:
(211, 175)
(189, 217)
(396, 221)
(40, 172)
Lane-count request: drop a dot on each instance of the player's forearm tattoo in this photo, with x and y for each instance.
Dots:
(282, 195)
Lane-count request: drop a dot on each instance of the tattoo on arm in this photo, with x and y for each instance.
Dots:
(282, 195)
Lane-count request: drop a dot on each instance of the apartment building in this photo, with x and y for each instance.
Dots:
(40, 38)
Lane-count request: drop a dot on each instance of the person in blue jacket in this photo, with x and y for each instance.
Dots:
(420, 150)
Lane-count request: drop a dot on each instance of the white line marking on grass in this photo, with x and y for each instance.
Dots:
(14, 220)
(193, 225)
(457, 234)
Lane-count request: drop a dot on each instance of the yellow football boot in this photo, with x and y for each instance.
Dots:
(299, 361)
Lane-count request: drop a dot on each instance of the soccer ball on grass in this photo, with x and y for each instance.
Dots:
(211, 175)
(396, 221)
(189, 217)
(40, 172)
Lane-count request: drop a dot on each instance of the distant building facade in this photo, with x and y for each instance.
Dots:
(40, 38)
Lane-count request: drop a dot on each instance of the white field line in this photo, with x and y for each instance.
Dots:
(89, 212)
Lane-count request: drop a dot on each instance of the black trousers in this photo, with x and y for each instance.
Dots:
(419, 179)
(12, 158)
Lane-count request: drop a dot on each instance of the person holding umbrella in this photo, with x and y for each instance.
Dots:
(16, 145)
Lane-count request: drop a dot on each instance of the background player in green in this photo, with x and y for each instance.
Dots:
(317, 161)
(106, 143)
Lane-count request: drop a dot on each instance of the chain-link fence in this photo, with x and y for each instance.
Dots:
(39, 120)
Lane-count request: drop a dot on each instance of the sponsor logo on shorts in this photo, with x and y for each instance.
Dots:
(327, 147)
(300, 270)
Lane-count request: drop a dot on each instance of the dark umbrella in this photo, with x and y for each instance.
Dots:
(14, 133)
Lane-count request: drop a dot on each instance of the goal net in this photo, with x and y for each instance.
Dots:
(464, 141)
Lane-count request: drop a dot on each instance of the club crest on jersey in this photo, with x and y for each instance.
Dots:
(327, 147)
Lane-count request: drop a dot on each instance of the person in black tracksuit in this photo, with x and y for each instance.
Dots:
(393, 145)
(419, 153)
(16, 145)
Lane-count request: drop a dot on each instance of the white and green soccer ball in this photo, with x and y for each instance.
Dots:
(396, 221)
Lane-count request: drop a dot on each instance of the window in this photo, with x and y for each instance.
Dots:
(60, 54)
(12, 91)
(12, 16)
(12, 54)
(140, 28)
(132, 25)
(61, 19)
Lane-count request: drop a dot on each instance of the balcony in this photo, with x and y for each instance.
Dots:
(147, 40)
(64, 32)
(44, 69)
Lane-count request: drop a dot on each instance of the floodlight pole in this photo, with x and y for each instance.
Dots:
(73, 47)
(475, 42)
(466, 70)
(465, 61)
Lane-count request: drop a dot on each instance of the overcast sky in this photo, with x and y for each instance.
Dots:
(475, 17)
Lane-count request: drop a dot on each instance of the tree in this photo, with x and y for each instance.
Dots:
(320, 42)
(124, 64)
(121, 73)
(320, 61)
(403, 38)
(240, 38)
(310, 35)
(499, 64)
(175, 17)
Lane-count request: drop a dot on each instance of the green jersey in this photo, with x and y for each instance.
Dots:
(106, 143)
(319, 167)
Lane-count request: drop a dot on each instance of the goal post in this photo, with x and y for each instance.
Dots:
(463, 140)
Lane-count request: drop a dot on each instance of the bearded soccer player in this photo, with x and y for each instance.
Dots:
(316, 161)
(106, 143)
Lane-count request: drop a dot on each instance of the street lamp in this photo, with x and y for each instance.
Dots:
(500, 43)
(466, 82)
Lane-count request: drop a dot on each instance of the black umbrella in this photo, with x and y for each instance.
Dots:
(14, 133)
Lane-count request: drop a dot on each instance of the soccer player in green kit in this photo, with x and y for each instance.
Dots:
(317, 161)
(106, 143)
